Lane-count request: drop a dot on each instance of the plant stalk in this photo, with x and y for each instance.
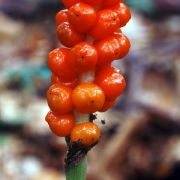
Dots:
(78, 170)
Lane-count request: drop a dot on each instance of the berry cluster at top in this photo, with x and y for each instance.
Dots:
(90, 32)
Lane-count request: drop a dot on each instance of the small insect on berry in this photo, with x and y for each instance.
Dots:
(61, 125)
(87, 133)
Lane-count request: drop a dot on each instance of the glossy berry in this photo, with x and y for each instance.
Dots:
(59, 99)
(106, 24)
(87, 133)
(111, 81)
(83, 57)
(118, 31)
(55, 79)
(108, 50)
(67, 35)
(61, 125)
(109, 3)
(69, 3)
(123, 12)
(112, 48)
(58, 64)
(71, 84)
(95, 3)
(82, 17)
(124, 45)
(107, 105)
(61, 17)
(88, 98)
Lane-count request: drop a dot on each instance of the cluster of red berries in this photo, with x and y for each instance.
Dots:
(90, 30)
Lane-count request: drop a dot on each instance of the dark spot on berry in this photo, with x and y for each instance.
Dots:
(103, 121)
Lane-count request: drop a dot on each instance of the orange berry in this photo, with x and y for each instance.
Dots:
(107, 50)
(61, 125)
(118, 31)
(87, 133)
(55, 79)
(82, 17)
(67, 35)
(71, 84)
(109, 3)
(95, 3)
(124, 45)
(83, 57)
(59, 99)
(106, 24)
(58, 64)
(69, 3)
(123, 12)
(88, 98)
(107, 105)
(111, 81)
(61, 16)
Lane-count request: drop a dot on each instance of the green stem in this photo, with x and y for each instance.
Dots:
(77, 172)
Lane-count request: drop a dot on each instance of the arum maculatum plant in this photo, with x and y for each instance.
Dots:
(83, 80)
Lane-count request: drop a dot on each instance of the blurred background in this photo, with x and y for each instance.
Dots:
(141, 138)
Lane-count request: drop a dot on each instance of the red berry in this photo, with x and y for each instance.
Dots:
(123, 12)
(83, 57)
(118, 31)
(61, 125)
(58, 64)
(61, 17)
(59, 99)
(109, 3)
(124, 45)
(68, 36)
(82, 17)
(95, 3)
(69, 3)
(106, 24)
(71, 84)
(111, 81)
(107, 50)
(107, 105)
